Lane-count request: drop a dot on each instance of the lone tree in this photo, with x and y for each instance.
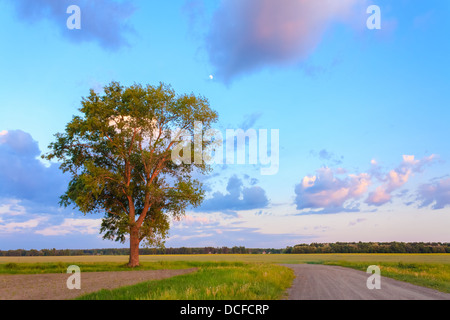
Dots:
(119, 155)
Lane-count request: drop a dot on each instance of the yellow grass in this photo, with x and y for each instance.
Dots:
(272, 258)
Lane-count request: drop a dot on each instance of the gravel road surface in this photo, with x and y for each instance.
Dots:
(320, 282)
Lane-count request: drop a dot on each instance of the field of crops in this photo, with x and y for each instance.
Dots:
(234, 276)
(271, 258)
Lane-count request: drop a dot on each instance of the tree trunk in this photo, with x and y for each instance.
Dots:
(134, 248)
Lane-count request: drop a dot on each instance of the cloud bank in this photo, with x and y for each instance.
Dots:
(326, 191)
(246, 35)
(102, 21)
(23, 176)
(334, 191)
(237, 198)
(73, 226)
(436, 194)
(396, 178)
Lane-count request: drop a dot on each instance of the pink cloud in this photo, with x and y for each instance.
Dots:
(324, 190)
(190, 220)
(396, 178)
(436, 194)
(378, 197)
(249, 34)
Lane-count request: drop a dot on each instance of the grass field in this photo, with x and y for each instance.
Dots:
(61, 267)
(213, 281)
(223, 280)
(256, 277)
(271, 258)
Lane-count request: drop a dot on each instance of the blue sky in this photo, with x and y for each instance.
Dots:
(362, 114)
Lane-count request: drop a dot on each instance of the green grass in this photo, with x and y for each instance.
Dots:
(61, 267)
(271, 258)
(432, 275)
(213, 281)
(234, 276)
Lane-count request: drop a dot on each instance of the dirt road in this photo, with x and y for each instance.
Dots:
(54, 286)
(319, 282)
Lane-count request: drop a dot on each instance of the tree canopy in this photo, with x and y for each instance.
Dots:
(119, 155)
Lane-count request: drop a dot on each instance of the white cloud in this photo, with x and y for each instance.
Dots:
(71, 226)
(194, 220)
(14, 227)
(184, 238)
(11, 208)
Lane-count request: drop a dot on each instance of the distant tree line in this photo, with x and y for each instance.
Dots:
(338, 247)
(370, 247)
(142, 251)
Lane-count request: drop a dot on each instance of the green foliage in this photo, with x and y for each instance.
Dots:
(213, 281)
(33, 268)
(370, 247)
(60, 267)
(315, 248)
(119, 155)
(11, 266)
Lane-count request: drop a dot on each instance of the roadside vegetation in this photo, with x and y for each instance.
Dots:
(61, 267)
(234, 276)
(213, 281)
